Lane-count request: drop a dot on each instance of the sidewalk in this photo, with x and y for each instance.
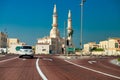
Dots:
(73, 57)
(2, 55)
(114, 61)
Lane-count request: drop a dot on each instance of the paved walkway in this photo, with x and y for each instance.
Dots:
(114, 61)
(73, 57)
(1, 55)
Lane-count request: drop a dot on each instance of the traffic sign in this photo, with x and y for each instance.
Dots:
(18, 48)
(71, 49)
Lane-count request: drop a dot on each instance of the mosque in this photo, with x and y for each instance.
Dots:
(54, 43)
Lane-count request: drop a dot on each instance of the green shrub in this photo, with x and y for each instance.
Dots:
(99, 49)
(96, 49)
(77, 49)
(118, 59)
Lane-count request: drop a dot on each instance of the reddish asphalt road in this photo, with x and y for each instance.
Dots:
(58, 69)
(100, 64)
(19, 69)
(55, 68)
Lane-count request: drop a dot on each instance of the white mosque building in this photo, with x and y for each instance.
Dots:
(53, 44)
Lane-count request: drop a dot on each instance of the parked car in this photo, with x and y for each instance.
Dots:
(26, 51)
(3, 50)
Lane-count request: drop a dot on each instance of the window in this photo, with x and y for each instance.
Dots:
(116, 45)
(26, 47)
(43, 49)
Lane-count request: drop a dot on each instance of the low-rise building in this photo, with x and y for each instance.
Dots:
(12, 44)
(54, 45)
(12, 41)
(114, 46)
(89, 46)
(3, 40)
(43, 48)
(110, 47)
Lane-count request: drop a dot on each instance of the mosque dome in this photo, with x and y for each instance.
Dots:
(54, 33)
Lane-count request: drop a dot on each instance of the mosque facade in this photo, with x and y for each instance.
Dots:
(53, 44)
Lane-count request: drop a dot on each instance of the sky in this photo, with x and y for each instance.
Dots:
(29, 20)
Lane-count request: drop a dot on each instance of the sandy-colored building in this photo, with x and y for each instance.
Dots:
(12, 44)
(89, 46)
(103, 44)
(12, 41)
(43, 48)
(114, 46)
(3, 40)
(110, 47)
(54, 45)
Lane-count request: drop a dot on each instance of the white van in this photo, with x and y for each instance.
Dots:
(26, 51)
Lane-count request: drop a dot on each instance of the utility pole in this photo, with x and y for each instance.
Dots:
(81, 36)
(65, 37)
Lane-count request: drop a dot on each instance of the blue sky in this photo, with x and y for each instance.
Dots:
(29, 20)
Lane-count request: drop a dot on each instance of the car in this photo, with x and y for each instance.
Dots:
(26, 51)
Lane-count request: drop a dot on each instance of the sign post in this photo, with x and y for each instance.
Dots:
(70, 49)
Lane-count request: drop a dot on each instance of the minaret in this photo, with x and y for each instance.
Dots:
(54, 33)
(69, 28)
(69, 21)
(54, 17)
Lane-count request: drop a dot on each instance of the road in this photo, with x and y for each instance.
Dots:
(59, 69)
(55, 68)
(18, 69)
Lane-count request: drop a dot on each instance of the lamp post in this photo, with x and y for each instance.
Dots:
(81, 32)
(65, 37)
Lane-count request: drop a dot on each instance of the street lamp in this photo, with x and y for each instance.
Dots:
(65, 37)
(82, 3)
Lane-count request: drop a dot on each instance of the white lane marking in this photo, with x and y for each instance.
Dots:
(93, 70)
(23, 59)
(48, 59)
(8, 59)
(91, 62)
(39, 70)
